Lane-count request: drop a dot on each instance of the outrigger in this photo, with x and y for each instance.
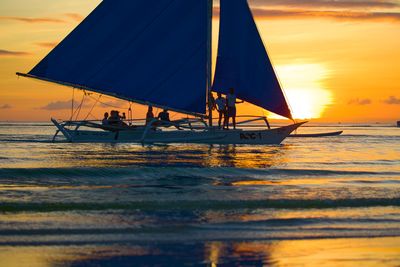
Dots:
(159, 53)
(184, 131)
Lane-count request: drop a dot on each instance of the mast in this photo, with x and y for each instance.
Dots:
(209, 62)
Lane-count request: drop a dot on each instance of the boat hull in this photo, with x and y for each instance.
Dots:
(210, 136)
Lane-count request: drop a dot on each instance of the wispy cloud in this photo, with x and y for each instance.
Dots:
(7, 53)
(392, 100)
(60, 105)
(46, 44)
(361, 102)
(74, 16)
(6, 106)
(344, 10)
(327, 3)
(337, 15)
(33, 20)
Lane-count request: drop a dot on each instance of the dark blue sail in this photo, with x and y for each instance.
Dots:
(152, 51)
(243, 63)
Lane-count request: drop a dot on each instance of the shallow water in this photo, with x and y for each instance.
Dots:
(314, 201)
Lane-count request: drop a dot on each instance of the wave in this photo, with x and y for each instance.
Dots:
(180, 241)
(198, 205)
(151, 229)
(372, 136)
(115, 172)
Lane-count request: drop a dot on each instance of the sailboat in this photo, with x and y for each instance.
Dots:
(159, 53)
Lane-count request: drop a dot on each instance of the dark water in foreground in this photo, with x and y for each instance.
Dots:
(325, 201)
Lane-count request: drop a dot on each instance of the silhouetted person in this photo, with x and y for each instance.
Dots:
(116, 119)
(231, 107)
(164, 115)
(220, 105)
(123, 117)
(149, 115)
(105, 119)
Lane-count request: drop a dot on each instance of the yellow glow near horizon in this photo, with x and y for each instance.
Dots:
(308, 103)
(303, 86)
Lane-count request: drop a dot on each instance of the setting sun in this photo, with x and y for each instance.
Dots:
(303, 85)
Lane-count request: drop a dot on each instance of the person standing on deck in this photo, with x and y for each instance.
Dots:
(231, 108)
(220, 105)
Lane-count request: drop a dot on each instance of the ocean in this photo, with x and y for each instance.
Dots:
(329, 201)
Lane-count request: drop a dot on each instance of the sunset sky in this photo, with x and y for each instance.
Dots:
(338, 60)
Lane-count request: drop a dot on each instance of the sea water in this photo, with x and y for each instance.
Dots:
(329, 201)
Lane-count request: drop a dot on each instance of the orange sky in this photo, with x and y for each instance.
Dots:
(338, 61)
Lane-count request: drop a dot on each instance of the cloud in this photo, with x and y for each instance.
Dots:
(345, 10)
(392, 100)
(338, 15)
(361, 102)
(47, 44)
(60, 105)
(112, 104)
(5, 106)
(326, 3)
(74, 16)
(32, 20)
(5, 53)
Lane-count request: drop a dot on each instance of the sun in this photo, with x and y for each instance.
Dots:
(303, 86)
(308, 103)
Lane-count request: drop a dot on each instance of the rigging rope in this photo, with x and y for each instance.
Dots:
(72, 104)
(80, 106)
(130, 110)
(105, 104)
(95, 103)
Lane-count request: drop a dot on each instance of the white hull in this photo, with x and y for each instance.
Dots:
(207, 136)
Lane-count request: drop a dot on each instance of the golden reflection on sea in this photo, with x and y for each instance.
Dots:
(324, 252)
(319, 252)
(105, 155)
(49, 256)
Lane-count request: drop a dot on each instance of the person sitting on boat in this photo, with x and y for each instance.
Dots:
(164, 115)
(231, 107)
(105, 119)
(123, 117)
(149, 115)
(115, 119)
(220, 105)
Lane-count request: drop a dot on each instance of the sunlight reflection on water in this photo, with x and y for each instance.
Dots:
(330, 201)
